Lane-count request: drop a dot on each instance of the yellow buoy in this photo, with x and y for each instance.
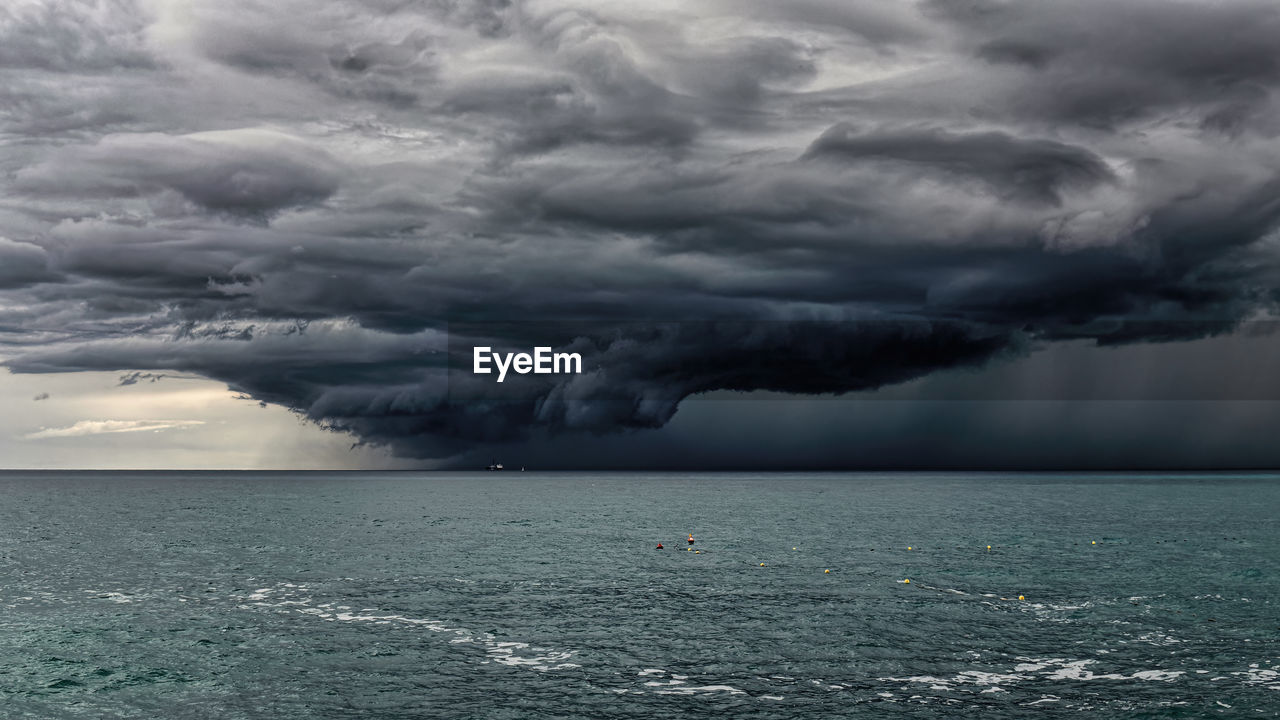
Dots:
(826, 571)
(988, 548)
(697, 552)
(761, 564)
(907, 581)
(908, 547)
(1021, 598)
(1095, 542)
(795, 548)
(688, 549)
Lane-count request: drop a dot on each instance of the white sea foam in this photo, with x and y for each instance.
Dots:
(1030, 672)
(296, 598)
(1158, 638)
(1158, 675)
(1030, 669)
(1061, 669)
(676, 684)
(985, 678)
(701, 690)
(934, 683)
(1266, 677)
(1075, 670)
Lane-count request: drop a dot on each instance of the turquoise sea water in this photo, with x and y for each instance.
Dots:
(529, 595)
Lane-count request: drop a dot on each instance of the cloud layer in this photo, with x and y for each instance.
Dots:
(324, 205)
(100, 427)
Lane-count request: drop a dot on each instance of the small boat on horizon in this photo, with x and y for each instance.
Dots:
(494, 466)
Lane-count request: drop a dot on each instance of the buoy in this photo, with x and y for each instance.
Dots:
(908, 547)
(761, 564)
(659, 546)
(1021, 598)
(1095, 542)
(795, 548)
(988, 548)
(697, 552)
(907, 581)
(688, 549)
(826, 571)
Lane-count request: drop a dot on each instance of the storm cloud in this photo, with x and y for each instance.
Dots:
(326, 205)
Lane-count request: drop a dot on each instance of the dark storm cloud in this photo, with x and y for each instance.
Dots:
(1011, 167)
(880, 25)
(65, 36)
(286, 41)
(23, 264)
(1098, 62)
(246, 174)
(136, 377)
(325, 206)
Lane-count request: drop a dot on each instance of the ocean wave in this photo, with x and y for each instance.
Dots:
(676, 684)
(289, 597)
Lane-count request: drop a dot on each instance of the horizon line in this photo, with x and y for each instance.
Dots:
(908, 470)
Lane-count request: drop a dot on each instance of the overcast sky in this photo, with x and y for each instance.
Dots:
(1049, 231)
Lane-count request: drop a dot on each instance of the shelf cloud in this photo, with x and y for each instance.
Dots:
(326, 205)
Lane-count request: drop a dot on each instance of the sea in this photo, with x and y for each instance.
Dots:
(535, 595)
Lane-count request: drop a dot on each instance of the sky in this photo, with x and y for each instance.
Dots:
(815, 234)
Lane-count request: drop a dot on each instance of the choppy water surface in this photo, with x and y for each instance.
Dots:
(524, 595)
